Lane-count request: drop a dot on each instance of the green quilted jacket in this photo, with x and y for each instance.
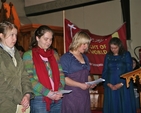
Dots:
(14, 82)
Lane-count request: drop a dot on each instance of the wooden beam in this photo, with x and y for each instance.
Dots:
(132, 75)
(58, 5)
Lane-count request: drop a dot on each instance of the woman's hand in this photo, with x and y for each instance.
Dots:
(55, 95)
(84, 86)
(111, 86)
(119, 85)
(25, 102)
(115, 87)
(92, 86)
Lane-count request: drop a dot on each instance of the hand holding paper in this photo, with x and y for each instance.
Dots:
(19, 109)
(65, 91)
(95, 81)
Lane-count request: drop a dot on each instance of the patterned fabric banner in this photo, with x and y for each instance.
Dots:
(98, 46)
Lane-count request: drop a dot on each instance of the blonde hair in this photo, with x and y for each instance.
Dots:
(5, 27)
(79, 38)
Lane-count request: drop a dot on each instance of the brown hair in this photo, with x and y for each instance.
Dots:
(39, 33)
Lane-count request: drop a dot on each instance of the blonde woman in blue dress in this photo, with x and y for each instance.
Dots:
(76, 68)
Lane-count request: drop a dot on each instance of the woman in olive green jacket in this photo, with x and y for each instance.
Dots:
(15, 87)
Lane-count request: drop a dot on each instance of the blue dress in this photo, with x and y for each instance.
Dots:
(123, 99)
(78, 101)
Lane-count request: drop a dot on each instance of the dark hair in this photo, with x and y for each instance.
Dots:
(39, 33)
(118, 42)
(55, 49)
(137, 63)
(20, 48)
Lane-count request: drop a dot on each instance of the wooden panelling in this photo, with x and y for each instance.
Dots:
(26, 33)
(96, 97)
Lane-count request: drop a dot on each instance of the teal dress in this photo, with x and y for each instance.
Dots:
(121, 100)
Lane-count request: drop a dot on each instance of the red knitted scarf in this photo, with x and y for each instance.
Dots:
(42, 72)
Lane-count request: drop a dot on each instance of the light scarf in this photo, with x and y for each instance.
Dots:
(11, 52)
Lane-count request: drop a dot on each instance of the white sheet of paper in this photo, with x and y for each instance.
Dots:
(95, 81)
(65, 91)
(19, 109)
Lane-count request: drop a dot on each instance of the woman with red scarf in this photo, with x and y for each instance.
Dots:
(46, 76)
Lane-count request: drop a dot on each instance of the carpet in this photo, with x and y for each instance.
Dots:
(100, 111)
(96, 111)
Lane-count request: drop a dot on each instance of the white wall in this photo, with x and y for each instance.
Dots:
(35, 2)
(135, 14)
(101, 19)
